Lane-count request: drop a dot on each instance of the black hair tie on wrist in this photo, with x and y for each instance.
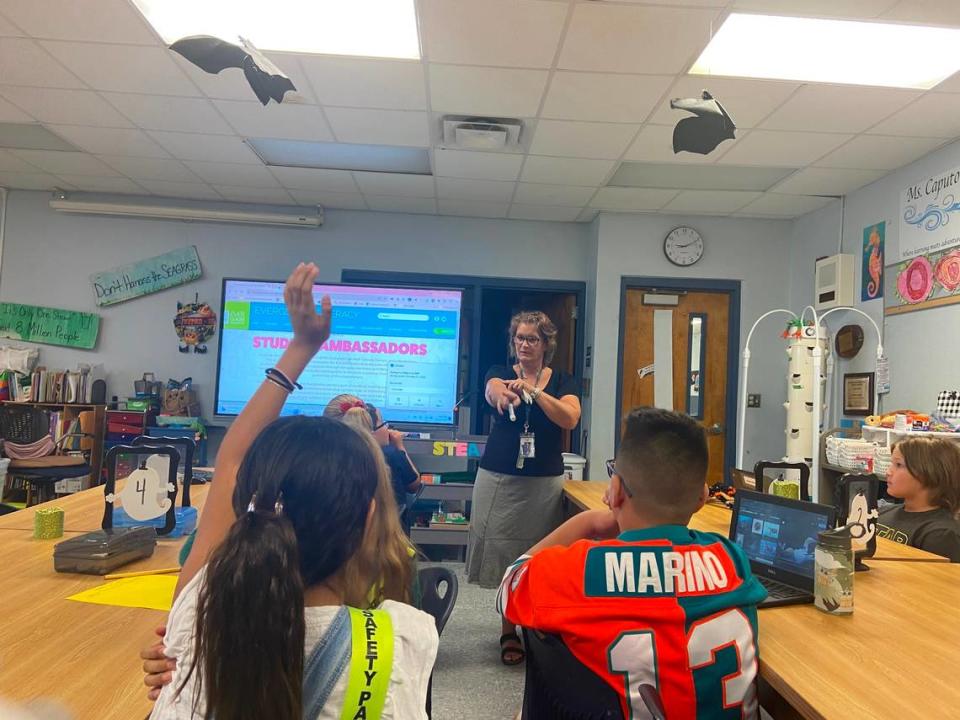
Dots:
(281, 379)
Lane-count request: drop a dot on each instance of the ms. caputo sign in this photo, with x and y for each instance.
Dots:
(930, 215)
(146, 276)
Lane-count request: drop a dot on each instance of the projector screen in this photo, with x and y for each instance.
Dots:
(394, 347)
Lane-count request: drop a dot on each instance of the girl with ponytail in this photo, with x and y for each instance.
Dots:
(299, 522)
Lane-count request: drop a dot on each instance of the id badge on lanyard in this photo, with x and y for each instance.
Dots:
(528, 443)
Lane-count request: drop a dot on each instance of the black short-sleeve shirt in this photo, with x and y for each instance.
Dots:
(503, 445)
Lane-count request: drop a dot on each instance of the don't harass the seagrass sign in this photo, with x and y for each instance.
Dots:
(146, 276)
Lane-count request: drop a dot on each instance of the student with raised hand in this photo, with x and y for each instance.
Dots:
(925, 473)
(298, 525)
(650, 601)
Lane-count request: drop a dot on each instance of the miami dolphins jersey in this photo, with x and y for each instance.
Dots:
(665, 606)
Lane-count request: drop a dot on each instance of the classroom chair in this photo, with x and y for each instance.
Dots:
(26, 425)
(438, 604)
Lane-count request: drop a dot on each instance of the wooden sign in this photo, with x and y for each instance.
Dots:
(146, 276)
(51, 326)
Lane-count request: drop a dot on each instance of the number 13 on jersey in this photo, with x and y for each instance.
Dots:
(721, 652)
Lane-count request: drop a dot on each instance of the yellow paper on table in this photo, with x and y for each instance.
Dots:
(154, 592)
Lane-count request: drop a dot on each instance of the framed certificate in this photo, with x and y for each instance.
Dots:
(858, 394)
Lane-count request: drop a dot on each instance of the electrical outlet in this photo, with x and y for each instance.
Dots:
(753, 400)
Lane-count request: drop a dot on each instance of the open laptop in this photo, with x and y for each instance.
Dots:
(778, 535)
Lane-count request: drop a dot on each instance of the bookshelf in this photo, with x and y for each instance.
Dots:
(92, 447)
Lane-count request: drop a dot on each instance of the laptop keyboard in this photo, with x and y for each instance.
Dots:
(777, 590)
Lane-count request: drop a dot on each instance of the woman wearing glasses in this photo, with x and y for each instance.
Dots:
(517, 495)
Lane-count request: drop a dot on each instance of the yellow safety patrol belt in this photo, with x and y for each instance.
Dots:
(371, 663)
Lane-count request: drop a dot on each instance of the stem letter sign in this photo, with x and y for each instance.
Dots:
(51, 326)
(146, 276)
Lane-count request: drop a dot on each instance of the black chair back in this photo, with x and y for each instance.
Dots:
(23, 424)
(432, 601)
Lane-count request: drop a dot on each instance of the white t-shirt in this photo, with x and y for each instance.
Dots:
(414, 651)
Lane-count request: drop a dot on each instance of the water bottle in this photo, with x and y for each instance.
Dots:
(833, 574)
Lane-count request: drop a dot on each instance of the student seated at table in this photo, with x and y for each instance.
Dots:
(650, 601)
(299, 523)
(924, 473)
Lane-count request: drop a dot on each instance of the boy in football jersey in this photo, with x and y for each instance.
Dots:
(651, 602)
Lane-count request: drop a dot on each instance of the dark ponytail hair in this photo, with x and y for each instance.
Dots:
(309, 482)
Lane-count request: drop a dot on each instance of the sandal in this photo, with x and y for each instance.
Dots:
(511, 649)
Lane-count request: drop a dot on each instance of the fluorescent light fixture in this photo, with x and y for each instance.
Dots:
(831, 51)
(342, 156)
(697, 177)
(172, 212)
(372, 28)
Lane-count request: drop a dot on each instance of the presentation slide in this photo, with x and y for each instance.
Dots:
(394, 347)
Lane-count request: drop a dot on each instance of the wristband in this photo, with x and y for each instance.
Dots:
(282, 379)
(274, 381)
(536, 393)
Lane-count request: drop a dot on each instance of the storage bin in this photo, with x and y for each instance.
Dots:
(573, 466)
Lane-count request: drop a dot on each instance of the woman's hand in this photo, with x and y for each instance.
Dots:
(157, 667)
(506, 398)
(520, 386)
(310, 328)
(396, 439)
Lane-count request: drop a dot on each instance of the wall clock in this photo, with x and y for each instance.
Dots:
(683, 246)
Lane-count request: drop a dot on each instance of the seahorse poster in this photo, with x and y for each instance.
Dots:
(871, 276)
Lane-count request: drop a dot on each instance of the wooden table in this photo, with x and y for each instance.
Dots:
(894, 657)
(81, 655)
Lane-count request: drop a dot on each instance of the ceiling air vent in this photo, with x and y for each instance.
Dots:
(480, 133)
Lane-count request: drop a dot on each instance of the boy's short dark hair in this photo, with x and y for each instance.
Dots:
(663, 460)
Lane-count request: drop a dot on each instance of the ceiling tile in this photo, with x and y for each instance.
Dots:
(784, 149)
(91, 183)
(508, 33)
(603, 97)
(26, 63)
(150, 168)
(476, 190)
(541, 194)
(154, 112)
(30, 181)
(393, 203)
(373, 183)
(587, 215)
(818, 8)
(211, 148)
(710, 201)
(933, 12)
(124, 68)
(833, 108)
(66, 107)
(654, 143)
(784, 205)
(476, 165)
(10, 113)
(315, 179)
(10, 163)
(114, 21)
(379, 127)
(612, 198)
(746, 101)
(342, 201)
(950, 85)
(268, 196)
(579, 139)
(544, 212)
(879, 152)
(627, 38)
(233, 174)
(194, 191)
(473, 209)
(7, 28)
(292, 122)
(110, 141)
(826, 181)
(355, 82)
(566, 171)
(73, 163)
(933, 115)
(486, 91)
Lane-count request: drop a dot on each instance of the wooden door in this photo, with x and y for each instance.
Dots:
(699, 379)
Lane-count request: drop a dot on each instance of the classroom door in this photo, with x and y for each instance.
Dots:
(675, 357)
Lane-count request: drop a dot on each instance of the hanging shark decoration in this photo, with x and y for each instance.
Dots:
(213, 55)
(709, 127)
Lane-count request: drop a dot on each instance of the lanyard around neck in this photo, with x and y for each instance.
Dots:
(536, 383)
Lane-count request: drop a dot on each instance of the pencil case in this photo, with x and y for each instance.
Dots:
(99, 552)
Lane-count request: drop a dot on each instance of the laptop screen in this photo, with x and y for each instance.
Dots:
(779, 534)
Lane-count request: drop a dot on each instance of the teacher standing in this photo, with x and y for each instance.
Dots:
(519, 486)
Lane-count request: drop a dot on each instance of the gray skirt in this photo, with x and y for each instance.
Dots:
(509, 515)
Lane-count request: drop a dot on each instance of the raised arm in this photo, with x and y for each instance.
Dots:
(310, 331)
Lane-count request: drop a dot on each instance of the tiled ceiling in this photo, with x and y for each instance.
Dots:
(590, 80)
